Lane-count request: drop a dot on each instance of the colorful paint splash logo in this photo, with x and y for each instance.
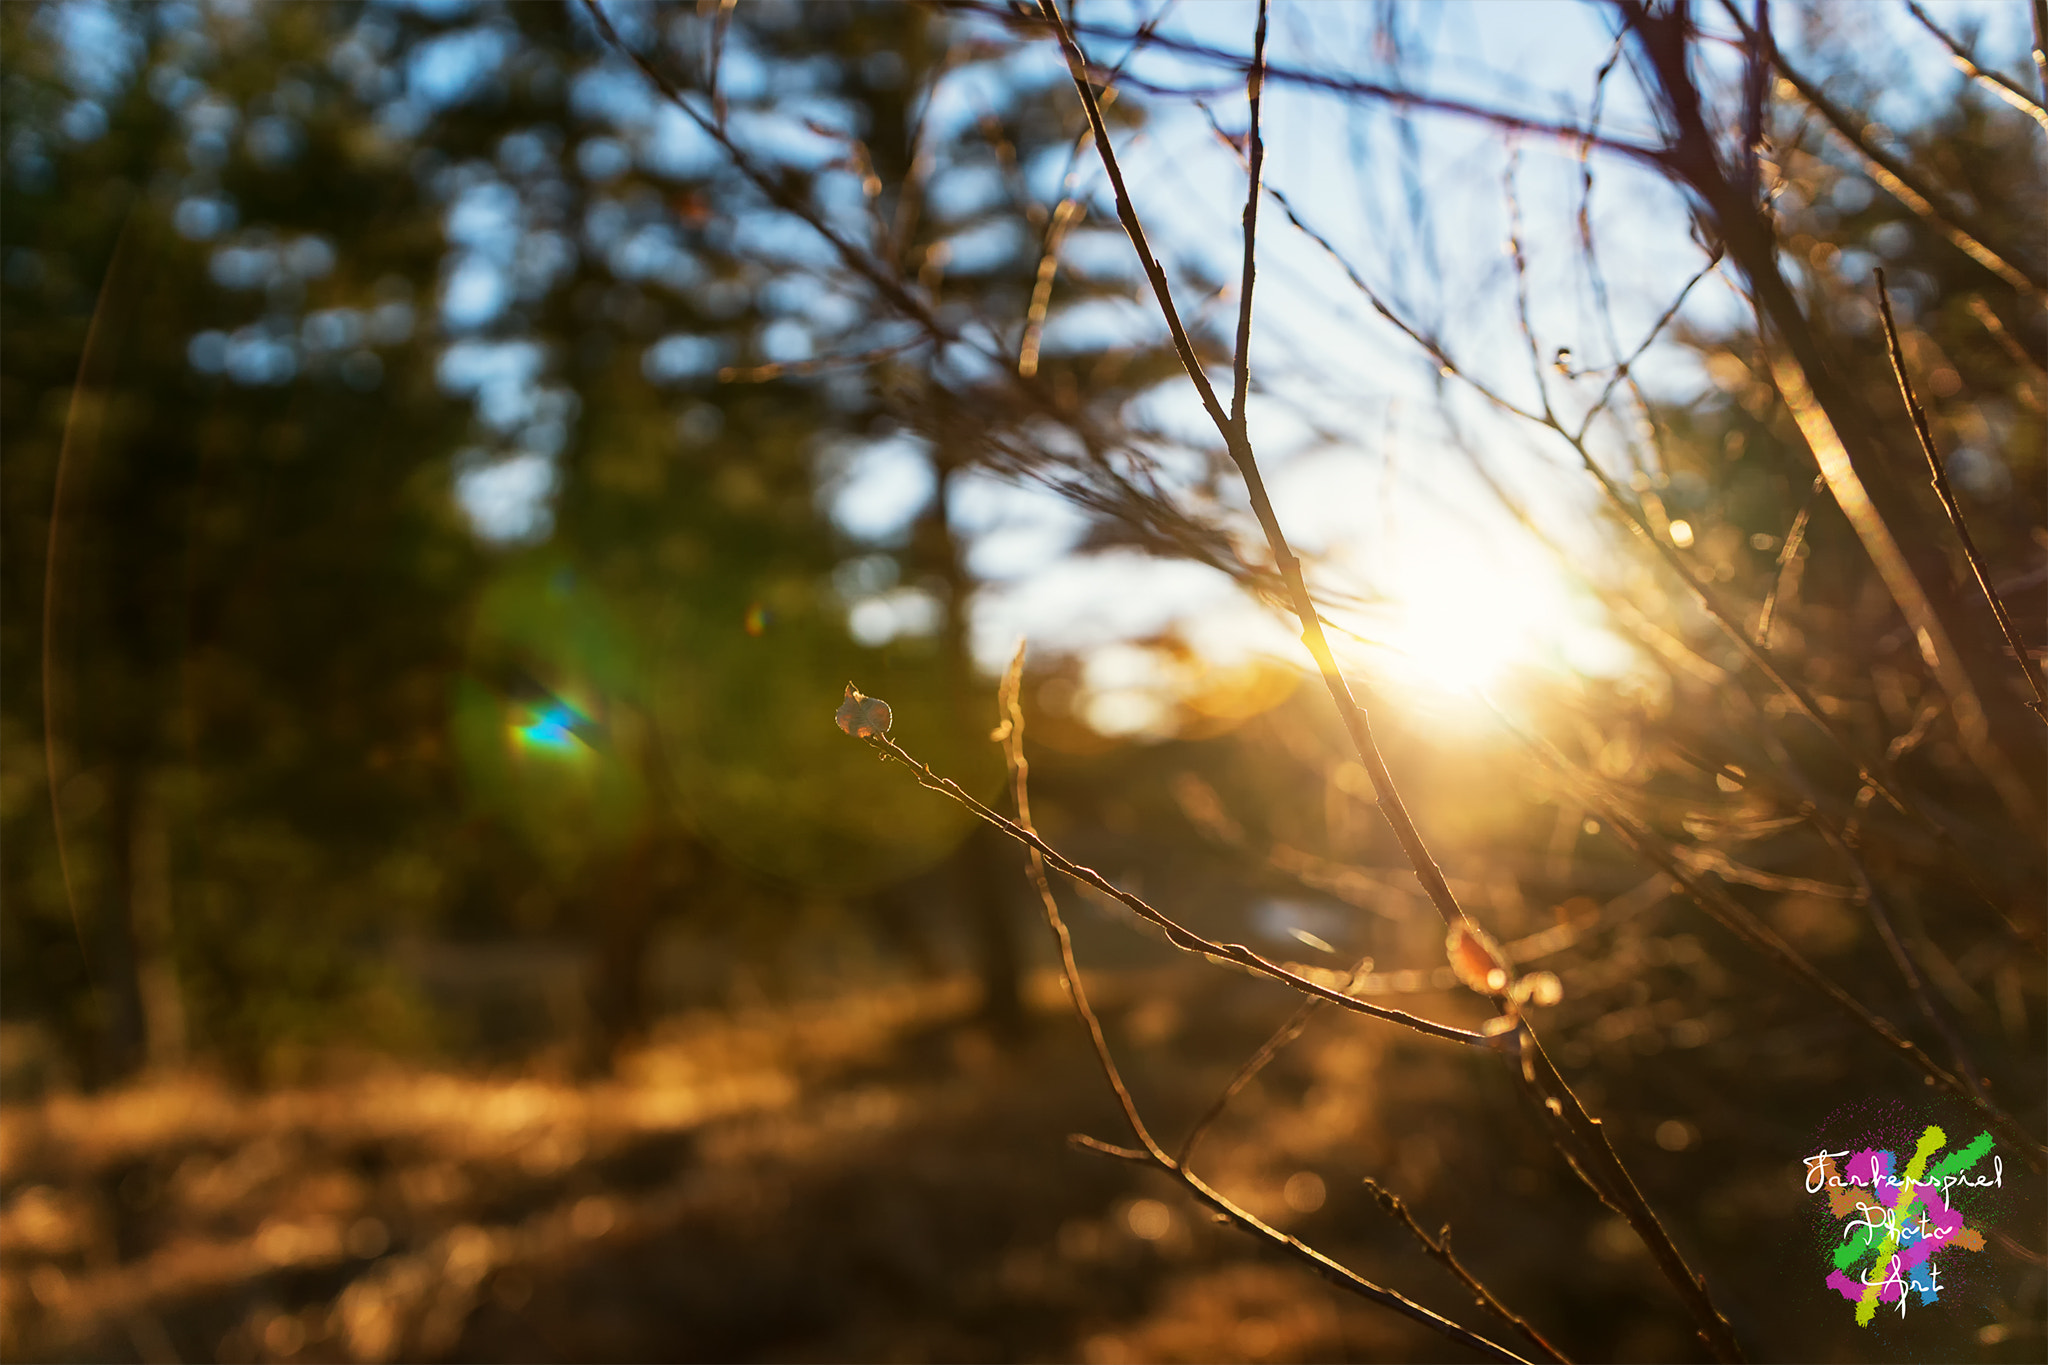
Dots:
(1896, 1226)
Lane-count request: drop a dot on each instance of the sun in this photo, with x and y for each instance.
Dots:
(1463, 614)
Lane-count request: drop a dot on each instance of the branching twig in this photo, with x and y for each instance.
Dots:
(1875, 772)
(1009, 701)
(1902, 182)
(1566, 134)
(1583, 1141)
(1011, 733)
(1390, 803)
(1439, 1250)
(1257, 1062)
(1614, 1181)
(1177, 934)
(1733, 916)
(1255, 153)
(719, 24)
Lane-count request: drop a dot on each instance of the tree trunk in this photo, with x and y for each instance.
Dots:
(983, 873)
(149, 916)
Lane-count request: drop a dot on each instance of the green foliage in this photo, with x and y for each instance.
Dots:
(277, 644)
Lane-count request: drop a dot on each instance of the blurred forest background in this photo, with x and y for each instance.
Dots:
(448, 485)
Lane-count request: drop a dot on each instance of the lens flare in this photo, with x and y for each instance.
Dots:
(552, 729)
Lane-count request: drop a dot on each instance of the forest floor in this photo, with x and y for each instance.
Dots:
(872, 1177)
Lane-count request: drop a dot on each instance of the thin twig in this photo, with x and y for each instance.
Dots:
(718, 27)
(1063, 217)
(1636, 835)
(1177, 934)
(1981, 310)
(1939, 477)
(1624, 372)
(1439, 1250)
(1786, 581)
(1009, 701)
(1519, 259)
(1840, 841)
(1582, 1139)
(791, 369)
(1756, 95)
(1069, 211)
(1565, 134)
(1909, 972)
(1339, 1275)
(2040, 53)
(892, 290)
(1255, 139)
(1253, 1065)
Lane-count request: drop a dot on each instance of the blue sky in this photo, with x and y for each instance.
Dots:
(1390, 508)
(1351, 421)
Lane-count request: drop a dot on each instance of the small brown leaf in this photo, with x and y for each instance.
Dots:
(1476, 959)
(861, 716)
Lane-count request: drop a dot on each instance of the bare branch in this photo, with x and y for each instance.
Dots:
(1756, 95)
(1176, 934)
(2002, 86)
(719, 24)
(1241, 362)
(1566, 134)
(1737, 919)
(1787, 581)
(1339, 1275)
(1903, 183)
(1981, 310)
(1077, 66)
(1939, 477)
(1253, 1065)
(1389, 799)
(1011, 733)
(1010, 703)
(1439, 1250)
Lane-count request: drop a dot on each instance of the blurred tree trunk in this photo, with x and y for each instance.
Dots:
(660, 864)
(113, 938)
(149, 915)
(981, 872)
(625, 893)
(144, 1022)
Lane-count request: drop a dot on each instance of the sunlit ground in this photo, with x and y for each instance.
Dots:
(870, 1176)
(860, 1178)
